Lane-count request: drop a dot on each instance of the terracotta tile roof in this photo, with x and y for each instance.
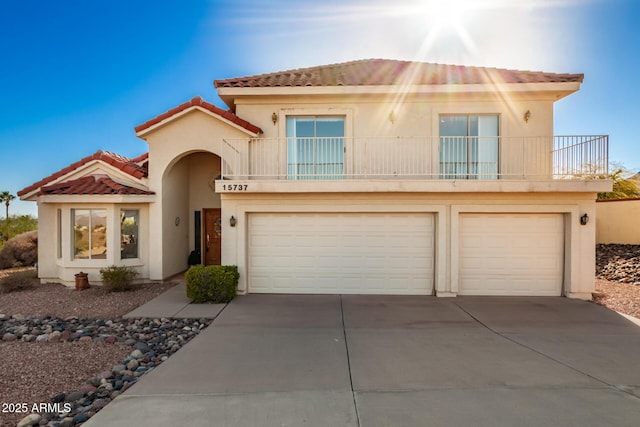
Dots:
(93, 184)
(135, 167)
(199, 102)
(384, 72)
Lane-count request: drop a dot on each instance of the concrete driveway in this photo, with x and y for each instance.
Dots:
(292, 360)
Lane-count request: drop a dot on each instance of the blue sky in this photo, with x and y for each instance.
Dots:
(77, 76)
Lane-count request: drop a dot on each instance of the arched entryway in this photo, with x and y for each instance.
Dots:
(192, 232)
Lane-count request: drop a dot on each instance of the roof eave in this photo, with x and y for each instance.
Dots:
(35, 192)
(227, 94)
(95, 198)
(144, 132)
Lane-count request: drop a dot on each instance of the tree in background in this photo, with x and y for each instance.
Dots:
(6, 197)
(623, 188)
(18, 224)
(15, 224)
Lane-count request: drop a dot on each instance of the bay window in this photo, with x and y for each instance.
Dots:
(89, 233)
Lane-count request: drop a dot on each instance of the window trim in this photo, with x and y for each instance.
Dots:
(287, 111)
(316, 140)
(467, 175)
(90, 258)
(59, 233)
(121, 211)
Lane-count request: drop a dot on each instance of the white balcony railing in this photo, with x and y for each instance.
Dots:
(451, 158)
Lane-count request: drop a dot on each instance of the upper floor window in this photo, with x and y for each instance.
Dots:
(469, 146)
(315, 147)
(89, 233)
(129, 222)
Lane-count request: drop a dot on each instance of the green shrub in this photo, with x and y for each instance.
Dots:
(118, 279)
(214, 283)
(18, 281)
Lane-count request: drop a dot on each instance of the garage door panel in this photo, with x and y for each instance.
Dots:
(511, 254)
(341, 253)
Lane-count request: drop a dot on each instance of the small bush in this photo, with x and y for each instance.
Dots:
(21, 251)
(18, 281)
(214, 283)
(118, 279)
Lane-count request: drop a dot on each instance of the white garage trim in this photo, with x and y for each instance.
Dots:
(572, 224)
(347, 253)
(511, 254)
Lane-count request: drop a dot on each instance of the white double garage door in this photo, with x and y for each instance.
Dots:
(395, 253)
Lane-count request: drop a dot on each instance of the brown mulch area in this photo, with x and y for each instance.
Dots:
(617, 296)
(53, 299)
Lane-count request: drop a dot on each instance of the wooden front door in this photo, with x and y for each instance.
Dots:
(212, 237)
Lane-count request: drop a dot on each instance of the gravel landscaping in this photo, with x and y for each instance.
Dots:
(618, 278)
(71, 350)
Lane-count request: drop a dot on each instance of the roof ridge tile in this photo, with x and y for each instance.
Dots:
(385, 72)
(97, 184)
(118, 161)
(198, 101)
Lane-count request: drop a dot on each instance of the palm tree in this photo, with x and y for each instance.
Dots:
(6, 197)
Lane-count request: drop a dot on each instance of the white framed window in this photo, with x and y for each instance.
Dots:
(89, 233)
(59, 233)
(129, 233)
(469, 146)
(315, 147)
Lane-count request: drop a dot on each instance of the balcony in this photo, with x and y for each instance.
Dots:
(416, 158)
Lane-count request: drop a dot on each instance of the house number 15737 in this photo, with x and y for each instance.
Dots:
(235, 187)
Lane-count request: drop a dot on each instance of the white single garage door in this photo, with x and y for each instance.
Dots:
(341, 253)
(511, 254)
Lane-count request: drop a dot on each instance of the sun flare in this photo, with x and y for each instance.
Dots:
(445, 13)
(444, 18)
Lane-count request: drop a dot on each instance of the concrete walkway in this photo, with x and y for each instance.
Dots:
(331, 360)
(174, 303)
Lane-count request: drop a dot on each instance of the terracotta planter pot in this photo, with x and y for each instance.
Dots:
(82, 281)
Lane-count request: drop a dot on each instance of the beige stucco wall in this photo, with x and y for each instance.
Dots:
(188, 187)
(179, 171)
(181, 166)
(175, 223)
(381, 117)
(579, 240)
(56, 265)
(618, 222)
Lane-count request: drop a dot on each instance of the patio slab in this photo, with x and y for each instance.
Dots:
(299, 408)
(576, 333)
(395, 359)
(283, 311)
(519, 314)
(290, 360)
(495, 407)
(173, 303)
(402, 312)
(239, 360)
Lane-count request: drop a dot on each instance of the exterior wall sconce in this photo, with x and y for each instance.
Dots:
(584, 219)
(527, 116)
(392, 117)
(274, 117)
(232, 221)
(177, 222)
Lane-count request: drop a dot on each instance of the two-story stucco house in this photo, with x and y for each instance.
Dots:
(371, 176)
